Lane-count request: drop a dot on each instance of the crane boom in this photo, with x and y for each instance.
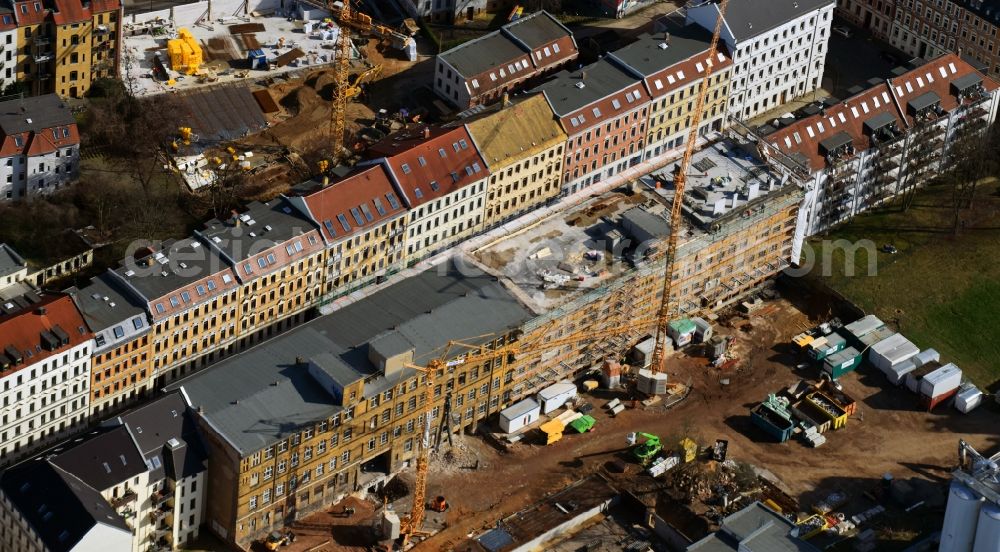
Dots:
(667, 306)
(338, 114)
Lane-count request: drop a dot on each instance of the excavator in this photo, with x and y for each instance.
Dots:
(647, 450)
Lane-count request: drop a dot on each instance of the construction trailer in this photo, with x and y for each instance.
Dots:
(556, 395)
(857, 330)
(825, 346)
(940, 385)
(891, 351)
(519, 415)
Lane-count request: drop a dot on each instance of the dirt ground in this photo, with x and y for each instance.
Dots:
(888, 434)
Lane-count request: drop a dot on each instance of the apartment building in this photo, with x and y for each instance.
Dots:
(507, 60)
(44, 372)
(193, 297)
(883, 141)
(277, 255)
(13, 268)
(604, 111)
(672, 66)
(342, 377)
(778, 49)
(875, 16)
(66, 44)
(8, 47)
(362, 223)
(121, 369)
(926, 29)
(522, 145)
(977, 38)
(739, 227)
(136, 483)
(442, 178)
(40, 147)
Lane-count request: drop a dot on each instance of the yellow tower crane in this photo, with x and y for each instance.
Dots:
(668, 307)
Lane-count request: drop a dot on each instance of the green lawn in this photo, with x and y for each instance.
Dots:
(942, 289)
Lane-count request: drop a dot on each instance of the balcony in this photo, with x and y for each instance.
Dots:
(163, 496)
(124, 499)
(44, 57)
(101, 30)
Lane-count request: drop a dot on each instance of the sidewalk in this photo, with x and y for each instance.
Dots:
(520, 224)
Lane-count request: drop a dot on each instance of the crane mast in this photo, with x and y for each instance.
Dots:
(667, 306)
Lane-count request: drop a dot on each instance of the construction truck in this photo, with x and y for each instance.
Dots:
(647, 450)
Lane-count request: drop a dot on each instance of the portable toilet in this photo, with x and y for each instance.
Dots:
(257, 59)
(689, 449)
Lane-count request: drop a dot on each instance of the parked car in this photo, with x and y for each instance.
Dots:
(890, 249)
(842, 31)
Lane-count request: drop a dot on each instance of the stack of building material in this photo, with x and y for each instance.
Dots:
(611, 374)
(813, 437)
(702, 330)
(940, 385)
(825, 346)
(681, 331)
(891, 351)
(968, 398)
(552, 430)
(185, 52)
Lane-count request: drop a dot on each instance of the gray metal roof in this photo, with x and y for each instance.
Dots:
(647, 55)
(104, 304)
(839, 139)
(500, 47)
(878, 121)
(270, 223)
(10, 261)
(104, 460)
(965, 81)
(262, 395)
(600, 80)
(646, 223)
(482, 54)
(537, 29)
(154, 425)
(924, 101)
(755, 528)
(188, 260)
(749, 18)
(33, 114)
(58, 506)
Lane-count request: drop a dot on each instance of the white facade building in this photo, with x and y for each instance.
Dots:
(39, 146)
(8, 51)
(45, 353)
(137, 484)
(778, 47)
(881, 142)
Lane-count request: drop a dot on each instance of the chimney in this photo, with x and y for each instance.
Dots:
(41, 311)
(326, 181)
(299, 361)
(583, 75)
(505, 102)
(666, 37)
(236, 217)
(427, 133)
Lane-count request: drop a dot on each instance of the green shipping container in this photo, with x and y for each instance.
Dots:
(583, 424)
(826, 346)
(843, 362)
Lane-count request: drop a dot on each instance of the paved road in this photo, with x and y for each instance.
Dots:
(852, 61)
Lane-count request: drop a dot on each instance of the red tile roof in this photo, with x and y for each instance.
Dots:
(21, 331)
(31, 12)
(74, 11)
(668, 80)
(39, 142)
(367, 191)
(431, 164)
(805, 135)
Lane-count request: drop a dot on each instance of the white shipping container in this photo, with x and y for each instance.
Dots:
(515, 417)
(941, 381)
(556, 395)
(864, 326)
(902, 349)
(925, 356)
(968, 399)
(896, 374)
